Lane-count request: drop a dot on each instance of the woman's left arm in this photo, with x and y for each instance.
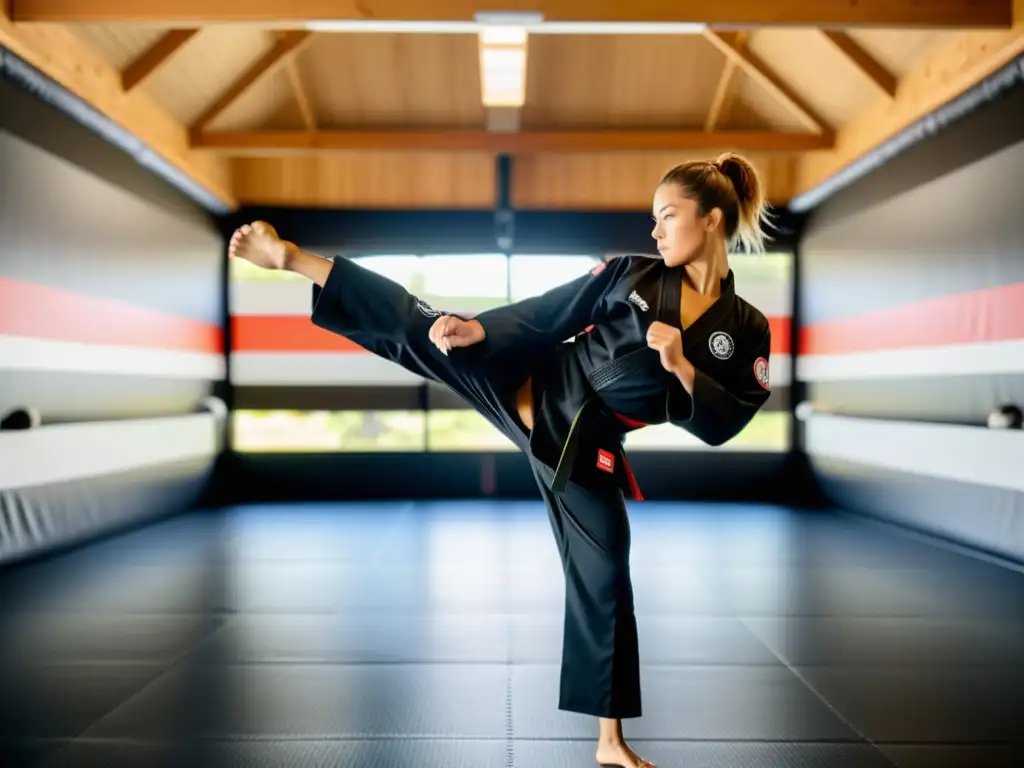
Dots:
(697, 403)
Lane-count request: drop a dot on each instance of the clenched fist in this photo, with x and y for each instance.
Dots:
(668, 342)
(449, 332)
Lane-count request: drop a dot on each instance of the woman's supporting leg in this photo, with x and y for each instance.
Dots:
(600, 672)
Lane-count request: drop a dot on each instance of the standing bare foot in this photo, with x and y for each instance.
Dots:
(617, 753)
(258, 242)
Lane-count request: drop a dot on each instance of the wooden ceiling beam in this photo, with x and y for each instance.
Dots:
(301, 96)
(721, 102)
(748, 13)
(60, 55)
(941, 77)
(864, 61)
(271, 143)
(287, 45)
(727, 43)
(155, 57)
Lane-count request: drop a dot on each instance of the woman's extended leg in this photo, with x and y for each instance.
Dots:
(384, 318)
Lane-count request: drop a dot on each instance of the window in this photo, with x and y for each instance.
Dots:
(767, 432)
(464, 430)
(468, 284)
(465, 284)
(484, 275)
(328, 431)
(533, 275)
(407, 271)
(453, 430)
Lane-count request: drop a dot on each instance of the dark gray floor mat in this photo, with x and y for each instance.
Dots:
(429, 633)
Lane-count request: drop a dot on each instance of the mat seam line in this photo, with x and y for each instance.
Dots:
(819, 696)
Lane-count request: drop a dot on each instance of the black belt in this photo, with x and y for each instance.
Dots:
(599, 378)
(570, 449)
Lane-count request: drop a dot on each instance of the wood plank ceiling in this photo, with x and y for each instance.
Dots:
(304, 116)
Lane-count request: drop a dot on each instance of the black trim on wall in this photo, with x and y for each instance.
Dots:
(384, 231)
(670, 475)
(328, 398)
(797, 388)
(386, 398)
(225, 388)
(358, 231)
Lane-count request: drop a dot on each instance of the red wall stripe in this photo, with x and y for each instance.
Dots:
(285, 333)
(782, 329)
(296, 333)
(992, 314)
(44, 312)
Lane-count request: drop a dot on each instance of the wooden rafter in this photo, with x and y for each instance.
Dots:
(266, 143)
(864, 61)
(155, 57)
(727, 43)
(301, 97)
(721, 102)
(287, 45)
(59, 54)
(941, 77)
(750, 13)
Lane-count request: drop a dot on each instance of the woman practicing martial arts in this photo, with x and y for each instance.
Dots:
(565, 375)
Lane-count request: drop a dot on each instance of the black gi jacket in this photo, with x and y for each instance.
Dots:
(590, 391)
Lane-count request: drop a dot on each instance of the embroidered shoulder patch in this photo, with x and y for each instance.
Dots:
(761, 372)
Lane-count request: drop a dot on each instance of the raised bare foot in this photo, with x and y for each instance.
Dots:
(617, 753)
(258, 242)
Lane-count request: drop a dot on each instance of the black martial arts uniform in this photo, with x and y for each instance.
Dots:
(594, 380)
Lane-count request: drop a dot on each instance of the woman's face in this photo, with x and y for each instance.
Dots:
(680, 231)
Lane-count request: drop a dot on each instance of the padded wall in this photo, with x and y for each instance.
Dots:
(912, 285)
(111, 327)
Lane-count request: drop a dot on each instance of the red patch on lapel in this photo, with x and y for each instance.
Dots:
(605, 460)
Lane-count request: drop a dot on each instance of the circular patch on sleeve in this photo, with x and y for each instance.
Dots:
(761, 372)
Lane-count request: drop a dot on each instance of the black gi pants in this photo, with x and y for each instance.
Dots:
(600, 670)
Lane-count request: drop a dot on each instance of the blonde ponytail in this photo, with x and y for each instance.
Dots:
(750, 196)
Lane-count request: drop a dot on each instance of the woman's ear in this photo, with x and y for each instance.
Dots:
(713, 220)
